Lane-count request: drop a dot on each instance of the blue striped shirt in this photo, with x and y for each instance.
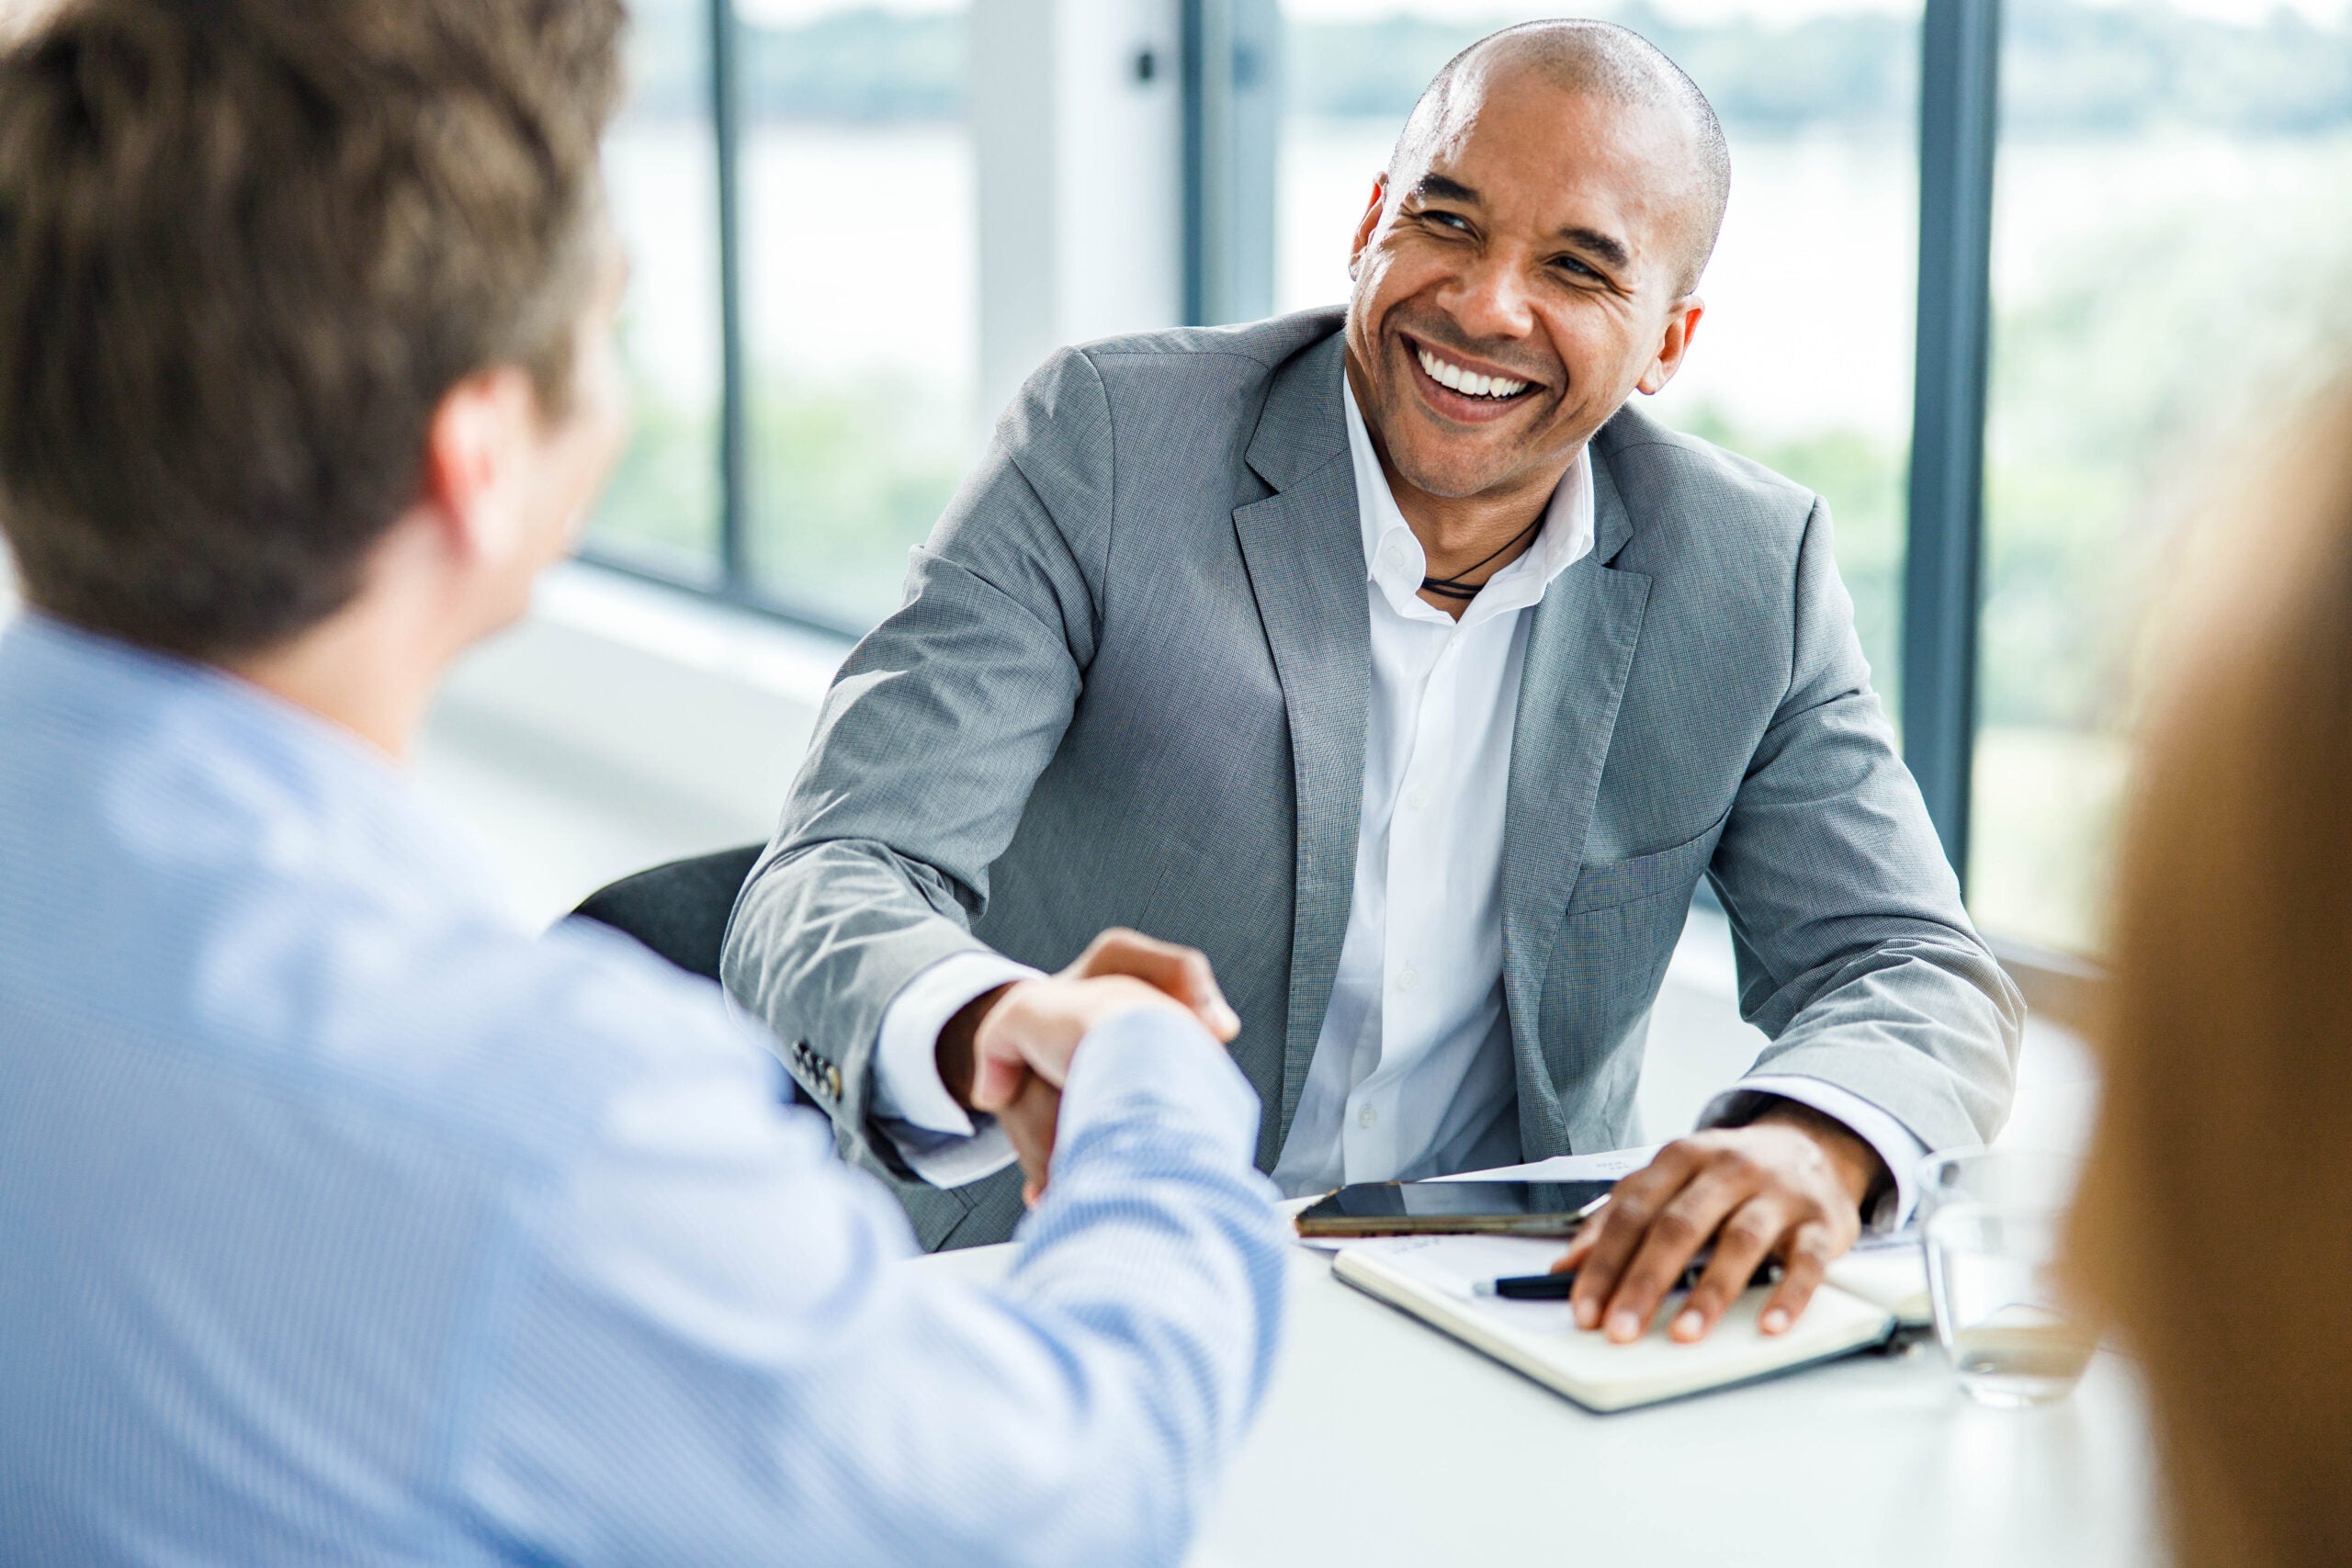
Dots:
(342, 1220)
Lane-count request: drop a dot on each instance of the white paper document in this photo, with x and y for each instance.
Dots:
(1606, 1167)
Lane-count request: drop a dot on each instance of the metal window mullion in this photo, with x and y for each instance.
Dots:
(1232, 83)
(1959, 127)
(734, 413)
(1189, 58)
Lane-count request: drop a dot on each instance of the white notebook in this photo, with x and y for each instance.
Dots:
(1433, 1277)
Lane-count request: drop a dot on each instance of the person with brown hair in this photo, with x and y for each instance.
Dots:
(341, 1220)
(2210, 1231)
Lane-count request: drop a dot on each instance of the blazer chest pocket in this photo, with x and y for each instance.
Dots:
(1610, 884)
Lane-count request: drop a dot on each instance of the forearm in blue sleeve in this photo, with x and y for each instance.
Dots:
(1159, 1243)
(709, 1347)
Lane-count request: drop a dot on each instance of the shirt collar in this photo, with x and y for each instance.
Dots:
(1395, 562)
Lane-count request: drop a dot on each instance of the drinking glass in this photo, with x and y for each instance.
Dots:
(2033, 1180)
(1994, 1219)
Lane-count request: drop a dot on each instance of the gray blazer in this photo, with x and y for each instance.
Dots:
(1128, 687)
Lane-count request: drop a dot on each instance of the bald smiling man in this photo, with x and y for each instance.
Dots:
(1388, 657)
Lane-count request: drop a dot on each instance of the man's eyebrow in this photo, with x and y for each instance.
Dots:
(1608, 247)
(1437, 187)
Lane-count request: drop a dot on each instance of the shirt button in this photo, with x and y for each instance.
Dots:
(1367, 1117)
(1416, 798)
(1394, 553)
(1408, 979)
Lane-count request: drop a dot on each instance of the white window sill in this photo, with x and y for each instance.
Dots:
(699, 708)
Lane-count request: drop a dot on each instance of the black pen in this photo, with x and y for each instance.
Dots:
(1555, 1287)
(1541, 1287)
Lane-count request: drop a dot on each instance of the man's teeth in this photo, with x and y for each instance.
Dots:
(1469, 383)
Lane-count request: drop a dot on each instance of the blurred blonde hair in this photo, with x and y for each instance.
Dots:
(2214, 1228)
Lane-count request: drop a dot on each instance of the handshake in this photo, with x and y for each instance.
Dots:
(1008, 1052)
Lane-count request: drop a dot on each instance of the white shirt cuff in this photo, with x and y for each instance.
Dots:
(943, 1159)
(1893, 1143)
(937, 1138)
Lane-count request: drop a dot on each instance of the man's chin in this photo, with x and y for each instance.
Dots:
(1451, 476)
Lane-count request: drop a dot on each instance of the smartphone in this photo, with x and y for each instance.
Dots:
(1430, 1208)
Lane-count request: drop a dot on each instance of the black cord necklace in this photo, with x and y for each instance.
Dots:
(1454, 587)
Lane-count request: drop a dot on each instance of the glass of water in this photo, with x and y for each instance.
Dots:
(1992, 1244)
(2033, 1180)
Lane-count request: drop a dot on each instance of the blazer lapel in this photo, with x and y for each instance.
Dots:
(1303, 548)
(1579, 649)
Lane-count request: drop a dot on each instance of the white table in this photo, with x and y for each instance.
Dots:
(1383, 1442)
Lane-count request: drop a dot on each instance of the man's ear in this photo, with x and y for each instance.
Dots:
(1369, 223)
(1680, 327)
(473, 446)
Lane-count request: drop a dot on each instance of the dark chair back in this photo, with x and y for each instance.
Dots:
(680, 909)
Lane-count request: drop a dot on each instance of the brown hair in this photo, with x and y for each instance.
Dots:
(2214, 1228)
(246, 248)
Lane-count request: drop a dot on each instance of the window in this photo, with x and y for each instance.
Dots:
(860, 286)
(1803, 361)
(663, 510)
(794, 181)
(2171, 248)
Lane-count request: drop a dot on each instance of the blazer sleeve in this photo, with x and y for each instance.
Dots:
(926, 749)
(1856, 955)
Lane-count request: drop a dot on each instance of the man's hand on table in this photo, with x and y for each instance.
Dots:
(1008, 1051)
(1789, 1185)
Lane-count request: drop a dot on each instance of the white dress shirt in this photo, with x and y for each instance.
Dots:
(1412, 1074)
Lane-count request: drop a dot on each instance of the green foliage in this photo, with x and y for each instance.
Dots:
(1861, 477)
(662, 504)
(2116, 387)
(845, 479)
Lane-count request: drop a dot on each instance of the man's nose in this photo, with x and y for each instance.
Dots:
(1490, 300)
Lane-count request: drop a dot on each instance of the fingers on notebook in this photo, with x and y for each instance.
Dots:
(1685, 1222)
(1808, 1257)
(1742, 1245)
(1624, 1236)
